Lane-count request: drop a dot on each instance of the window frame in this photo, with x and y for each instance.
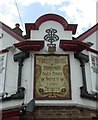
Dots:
(93, 71)
(3, 71)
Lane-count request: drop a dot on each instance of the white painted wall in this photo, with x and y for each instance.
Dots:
(28, 71)
(28, 82)
(93, 39)
(92, 77)
(7, 40)
(76, 83)
(39, 34)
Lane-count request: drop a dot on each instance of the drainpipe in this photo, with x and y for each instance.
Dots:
(20, 57)
(20, 63)
(83, 89)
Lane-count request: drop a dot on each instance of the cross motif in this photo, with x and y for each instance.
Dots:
(51, 37)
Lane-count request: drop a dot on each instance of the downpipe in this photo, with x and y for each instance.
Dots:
(19, 57)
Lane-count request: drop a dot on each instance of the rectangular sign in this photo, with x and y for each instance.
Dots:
(52, 78)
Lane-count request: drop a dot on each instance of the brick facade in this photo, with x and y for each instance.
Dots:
(60, 113)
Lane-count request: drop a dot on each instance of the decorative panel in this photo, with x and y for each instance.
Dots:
(52, 76)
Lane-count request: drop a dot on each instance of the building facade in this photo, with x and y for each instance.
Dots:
(48, 74)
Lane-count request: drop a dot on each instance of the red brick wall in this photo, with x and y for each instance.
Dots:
(61, 113)
(51, 113)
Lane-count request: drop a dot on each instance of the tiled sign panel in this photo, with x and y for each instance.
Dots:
(52, 77)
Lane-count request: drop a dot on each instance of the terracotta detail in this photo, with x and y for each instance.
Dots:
(30, 45)
(69, 45)
(53, 17)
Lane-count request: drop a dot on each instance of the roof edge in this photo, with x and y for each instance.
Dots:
(87, 33)
(11, 32)
(48, 17)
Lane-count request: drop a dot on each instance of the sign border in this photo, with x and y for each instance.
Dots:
(47, 98)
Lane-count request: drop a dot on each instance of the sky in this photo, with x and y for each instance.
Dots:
(81, 12)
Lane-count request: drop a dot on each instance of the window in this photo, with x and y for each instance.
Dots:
(93, 59)
(1, 63)
(2, 71)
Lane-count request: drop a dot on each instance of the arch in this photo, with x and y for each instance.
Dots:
(53, 17)
(48, 17)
